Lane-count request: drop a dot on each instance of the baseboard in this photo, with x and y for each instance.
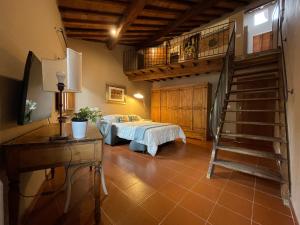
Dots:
(294, 214)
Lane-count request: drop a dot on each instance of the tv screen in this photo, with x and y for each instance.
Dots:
(36, 104)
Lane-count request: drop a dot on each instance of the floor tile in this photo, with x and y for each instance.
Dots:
(197, 204)
(158, 206)
(180, 216)
(236, 204)
(184, 181)
(137, 216)
(240, 190)
(172, 191)
(209, 191)
(223, 216)
(272, 202)
(266, 216)
(170, 188)
(139, 192)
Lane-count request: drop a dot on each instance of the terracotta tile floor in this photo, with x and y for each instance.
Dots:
(169, 189)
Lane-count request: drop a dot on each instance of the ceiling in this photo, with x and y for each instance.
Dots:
(139, 22)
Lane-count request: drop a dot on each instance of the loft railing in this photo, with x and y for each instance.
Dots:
(207, 42)
(222, 89)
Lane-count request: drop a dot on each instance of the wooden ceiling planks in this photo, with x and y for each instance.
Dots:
(131, 13)
(142, 21)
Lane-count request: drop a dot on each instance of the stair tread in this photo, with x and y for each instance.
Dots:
(255, 62)
(254, 80)
(253, 123)
(254, 89)
(259, 74)
(254, 137)
(254, 110)
(252, 152)
(252, 170)
(255, 70)
(251, 99)
(257, 55)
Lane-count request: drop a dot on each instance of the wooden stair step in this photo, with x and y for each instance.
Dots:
(252, 99)
(254, 80)
(258, 55)
(256, 75)
(265, 89)
(255, 70)
(254, 137)
(252, 170)
(252, 152)
(254, 110)
(253, 123)
(255, 62)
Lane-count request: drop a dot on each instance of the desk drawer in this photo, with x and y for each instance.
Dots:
(52, 156)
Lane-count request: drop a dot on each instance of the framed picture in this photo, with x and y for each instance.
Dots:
(115, 94)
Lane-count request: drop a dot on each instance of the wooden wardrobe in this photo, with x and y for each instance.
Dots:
(188, 106)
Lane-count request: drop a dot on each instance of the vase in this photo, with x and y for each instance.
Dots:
(79, 129)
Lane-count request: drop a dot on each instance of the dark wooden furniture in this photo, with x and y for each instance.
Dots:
(34, 151)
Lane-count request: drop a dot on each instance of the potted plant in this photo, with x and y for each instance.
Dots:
(80, 121)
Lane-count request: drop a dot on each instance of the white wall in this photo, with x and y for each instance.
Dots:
(292, 53)
(258, 29)
(27, 25)
(101, 66)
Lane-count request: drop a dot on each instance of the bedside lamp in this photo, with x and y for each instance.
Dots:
(63, 75)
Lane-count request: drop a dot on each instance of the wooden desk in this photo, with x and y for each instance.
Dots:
(34, 151)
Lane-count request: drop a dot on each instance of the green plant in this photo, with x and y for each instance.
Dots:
(86, 114)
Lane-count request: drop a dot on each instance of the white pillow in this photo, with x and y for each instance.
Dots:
(114, 118)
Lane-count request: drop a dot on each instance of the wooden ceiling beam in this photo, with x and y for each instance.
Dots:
(88, 16)
(94, 6)
(159, 14)
(91, 26)
(131, 13)
(202, 5)
(177, 5)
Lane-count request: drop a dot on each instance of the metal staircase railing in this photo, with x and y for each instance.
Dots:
(222, 90)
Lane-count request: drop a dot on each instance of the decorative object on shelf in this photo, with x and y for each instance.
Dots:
(29, 108)
(190, 47)
(213, 43)
(115, 94)
(80, 121)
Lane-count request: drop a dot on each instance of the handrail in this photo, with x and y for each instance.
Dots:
(222, 88)
(284, 76)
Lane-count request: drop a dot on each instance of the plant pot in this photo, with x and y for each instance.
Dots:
(79, 129)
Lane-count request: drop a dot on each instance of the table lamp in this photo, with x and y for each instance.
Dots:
(63, 75)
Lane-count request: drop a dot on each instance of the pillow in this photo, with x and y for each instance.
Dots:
(133, 118)
(122, 119)
(111, 118)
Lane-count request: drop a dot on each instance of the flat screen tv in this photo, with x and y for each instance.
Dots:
(36, 104)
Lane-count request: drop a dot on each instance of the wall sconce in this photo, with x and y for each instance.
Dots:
(138, 96)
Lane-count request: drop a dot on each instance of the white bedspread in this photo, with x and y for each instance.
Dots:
(153, 137)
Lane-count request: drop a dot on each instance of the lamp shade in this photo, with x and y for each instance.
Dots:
(70, 66)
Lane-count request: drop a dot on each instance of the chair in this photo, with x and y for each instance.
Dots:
(71, 170)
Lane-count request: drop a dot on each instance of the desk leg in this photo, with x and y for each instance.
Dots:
(13, 201)
(97, 192)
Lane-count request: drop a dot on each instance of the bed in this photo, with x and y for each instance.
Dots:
(145, 132)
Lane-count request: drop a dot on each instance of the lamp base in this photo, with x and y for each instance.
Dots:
(58, 138)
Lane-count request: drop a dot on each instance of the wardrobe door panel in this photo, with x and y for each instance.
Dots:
(200, 108)
(172, 105)
(185, 113)
(163, 106)
(155, 106)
